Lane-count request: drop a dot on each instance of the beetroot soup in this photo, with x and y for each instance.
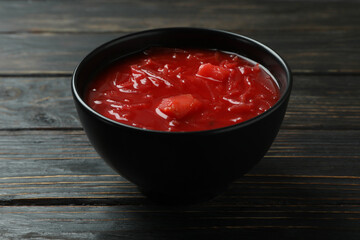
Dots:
(171, 89)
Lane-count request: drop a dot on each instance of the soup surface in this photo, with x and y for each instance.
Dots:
(171, 89)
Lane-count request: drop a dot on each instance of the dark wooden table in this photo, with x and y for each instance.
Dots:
(54, 186)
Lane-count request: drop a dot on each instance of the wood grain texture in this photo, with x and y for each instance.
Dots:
(306, 52)
(51, 37)
(159, 222)
(36, 103)
(127, 15)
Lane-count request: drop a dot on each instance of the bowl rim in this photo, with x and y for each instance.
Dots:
(250, 121)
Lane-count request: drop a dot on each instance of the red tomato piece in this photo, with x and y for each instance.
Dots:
(179, 106)
(213, 72)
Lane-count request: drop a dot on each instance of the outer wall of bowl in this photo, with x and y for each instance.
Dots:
(189, 166)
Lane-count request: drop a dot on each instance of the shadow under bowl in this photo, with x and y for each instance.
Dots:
(181, 167)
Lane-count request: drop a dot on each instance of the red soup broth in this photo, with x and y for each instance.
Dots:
(170, 89)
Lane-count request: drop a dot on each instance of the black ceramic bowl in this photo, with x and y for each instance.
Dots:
(181, 167)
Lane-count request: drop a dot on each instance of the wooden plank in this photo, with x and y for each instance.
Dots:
(323, 40)
(55, 167)
(324, 102)
(317, 102)
(111, 189)
(127, 15)
(191, 222)
(36, 103)
(46, 53)
(306, 52)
